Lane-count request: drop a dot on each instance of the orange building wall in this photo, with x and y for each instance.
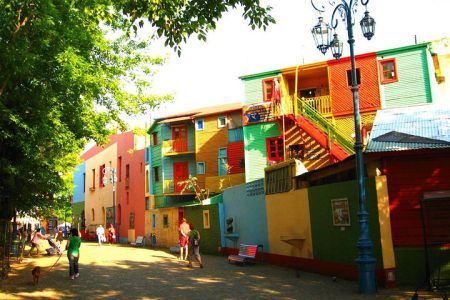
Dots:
(341, 94)
(208, 141)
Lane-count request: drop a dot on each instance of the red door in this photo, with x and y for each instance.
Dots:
(180, 173)
(179, 137)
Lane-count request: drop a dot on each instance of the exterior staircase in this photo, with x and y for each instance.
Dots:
(322, 130)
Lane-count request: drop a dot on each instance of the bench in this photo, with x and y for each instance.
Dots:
(139, 241)
(247, 254)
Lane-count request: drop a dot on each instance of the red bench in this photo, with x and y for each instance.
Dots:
(247, 254)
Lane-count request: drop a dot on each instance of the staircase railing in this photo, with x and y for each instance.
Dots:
(333, 133)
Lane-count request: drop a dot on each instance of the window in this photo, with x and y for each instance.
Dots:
(93, 214)
(278, 181)
(275, 151)
(127, 175)
(128, 198)
(222, 162)
(268, 89)
(199, 124)
(206, 223)
(84, 182)
(156, 173)
(147, 203)
(221, 121)
(349, 77)
(242, 163)
(271, 89)
(147, 186)
(153, 221)
(388, 71)
(100, 176)
(131, 220)
(166, 221)
(93, 180)
(119, 168)
(308, 93)
(154, 138)
(201, 168)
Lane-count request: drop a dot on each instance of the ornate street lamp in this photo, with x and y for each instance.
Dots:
(113, 180)
(346, 10)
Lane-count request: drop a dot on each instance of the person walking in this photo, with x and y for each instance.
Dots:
(59, 236)
(73, 253)
(35, 241)
(184, 232)
(194, 246)
(100, 231)
(111, 234)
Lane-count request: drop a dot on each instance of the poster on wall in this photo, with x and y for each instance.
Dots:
(340, 211)
(258, 113)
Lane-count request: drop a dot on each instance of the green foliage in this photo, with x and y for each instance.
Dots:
(191, 185)
(70, 70)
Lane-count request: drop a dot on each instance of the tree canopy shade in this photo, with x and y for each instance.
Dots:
(70, 69)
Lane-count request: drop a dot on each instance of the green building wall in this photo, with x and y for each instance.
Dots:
(253, 86)
(210, 237)
(331, 243)
(413, 85)
(255, 148)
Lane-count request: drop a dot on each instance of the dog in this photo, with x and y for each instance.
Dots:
(36, 272)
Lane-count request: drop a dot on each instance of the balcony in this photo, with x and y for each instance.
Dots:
(176, 147)
(321, 104)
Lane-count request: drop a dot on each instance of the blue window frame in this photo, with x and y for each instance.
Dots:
(222, 162)
(199, 124)
(201, 168)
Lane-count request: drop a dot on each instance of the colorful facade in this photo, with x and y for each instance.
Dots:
(282, 167)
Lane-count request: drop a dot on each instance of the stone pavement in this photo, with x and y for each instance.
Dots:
(126, 272)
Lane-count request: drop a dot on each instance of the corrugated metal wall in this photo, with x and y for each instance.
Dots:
(255, 148)
(413, 85)
(340, 91)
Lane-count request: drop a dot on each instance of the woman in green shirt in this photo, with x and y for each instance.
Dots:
(73, 252)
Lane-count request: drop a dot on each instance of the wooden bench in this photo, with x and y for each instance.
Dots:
(247, 254)
(139, 241)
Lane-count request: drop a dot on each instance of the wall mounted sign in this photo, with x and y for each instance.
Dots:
(340, 211)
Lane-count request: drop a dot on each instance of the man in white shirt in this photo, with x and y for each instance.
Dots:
(100, 231)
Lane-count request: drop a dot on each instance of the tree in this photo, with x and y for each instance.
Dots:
(70, 69)
(190, 185)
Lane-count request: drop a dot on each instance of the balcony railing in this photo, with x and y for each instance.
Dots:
(175, 146)
(321, 104)
(168, 186)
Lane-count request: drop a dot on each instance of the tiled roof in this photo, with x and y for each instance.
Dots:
(202, 112)
(410, 128)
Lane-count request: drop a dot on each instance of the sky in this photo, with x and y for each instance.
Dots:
(207, 73)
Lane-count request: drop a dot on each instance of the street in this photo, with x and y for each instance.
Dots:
(126, 272)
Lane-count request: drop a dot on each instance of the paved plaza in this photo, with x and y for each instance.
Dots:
(126, 272)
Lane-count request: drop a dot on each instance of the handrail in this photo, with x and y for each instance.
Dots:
(333, 133)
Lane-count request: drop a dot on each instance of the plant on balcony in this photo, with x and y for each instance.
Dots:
(190, 184)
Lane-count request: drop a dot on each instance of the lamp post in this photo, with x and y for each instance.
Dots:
(113, 180)
(322, 34)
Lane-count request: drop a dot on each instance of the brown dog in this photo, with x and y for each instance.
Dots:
(36, 272)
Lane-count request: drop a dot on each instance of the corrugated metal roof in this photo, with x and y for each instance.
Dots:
(410, 128)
